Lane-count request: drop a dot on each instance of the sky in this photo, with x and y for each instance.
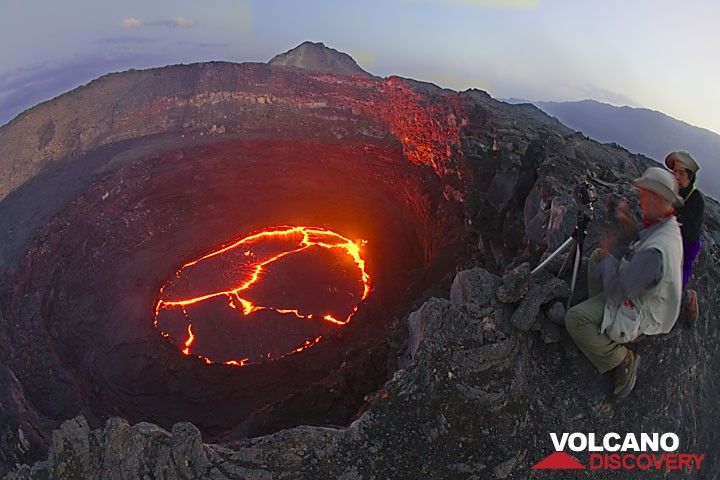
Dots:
(658, 54)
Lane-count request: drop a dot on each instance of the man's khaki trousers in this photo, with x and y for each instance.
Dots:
(583, 323)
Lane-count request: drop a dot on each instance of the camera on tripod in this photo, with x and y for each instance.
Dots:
(586, 196)
(585, 192)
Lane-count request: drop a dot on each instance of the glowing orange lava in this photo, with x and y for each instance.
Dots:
(270, 294)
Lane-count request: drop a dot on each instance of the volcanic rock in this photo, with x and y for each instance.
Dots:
(556, 313)
(535, 217)
(550, 332)
(563, 217)
(502, 189)
(538, 295)
(473, 289)
(515, 284)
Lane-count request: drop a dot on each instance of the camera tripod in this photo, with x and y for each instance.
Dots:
(584, 192)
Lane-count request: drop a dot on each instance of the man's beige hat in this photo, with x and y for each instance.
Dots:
(662, 182)
(685, 160)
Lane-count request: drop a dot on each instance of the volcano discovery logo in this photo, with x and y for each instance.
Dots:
(646, 452)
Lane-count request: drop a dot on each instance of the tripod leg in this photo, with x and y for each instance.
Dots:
(568, 259)
(576, 269)
(557, 252)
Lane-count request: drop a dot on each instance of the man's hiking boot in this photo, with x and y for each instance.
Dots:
(691, 305)
(626, 375)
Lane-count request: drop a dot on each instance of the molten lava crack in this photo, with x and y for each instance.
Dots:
(270, 294)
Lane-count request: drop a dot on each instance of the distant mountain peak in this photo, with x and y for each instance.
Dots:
(316, 57)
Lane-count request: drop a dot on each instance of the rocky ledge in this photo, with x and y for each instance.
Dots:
(475, 398)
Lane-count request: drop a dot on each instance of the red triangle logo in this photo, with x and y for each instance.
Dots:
(559, 461)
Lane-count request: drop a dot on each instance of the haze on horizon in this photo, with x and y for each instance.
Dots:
(657, 54)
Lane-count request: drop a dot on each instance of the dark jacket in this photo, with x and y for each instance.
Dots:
(691, 214)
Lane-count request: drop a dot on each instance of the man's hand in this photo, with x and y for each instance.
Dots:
(625, 218)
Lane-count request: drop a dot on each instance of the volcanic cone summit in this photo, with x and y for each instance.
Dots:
(316, 57)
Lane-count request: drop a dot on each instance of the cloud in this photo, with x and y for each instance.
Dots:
(131, 22)
(183, 22)
(172, 22)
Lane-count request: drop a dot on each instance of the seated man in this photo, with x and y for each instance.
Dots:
(639, 296)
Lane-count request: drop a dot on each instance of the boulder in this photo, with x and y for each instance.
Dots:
(515, 284)
(538, 295)
(474, 289)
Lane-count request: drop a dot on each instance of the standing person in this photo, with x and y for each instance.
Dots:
(690, 216)
(639, 296)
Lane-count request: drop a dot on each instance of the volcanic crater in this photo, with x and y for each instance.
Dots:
(332, 193)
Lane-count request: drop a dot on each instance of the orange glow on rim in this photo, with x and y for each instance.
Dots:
(239, 295)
